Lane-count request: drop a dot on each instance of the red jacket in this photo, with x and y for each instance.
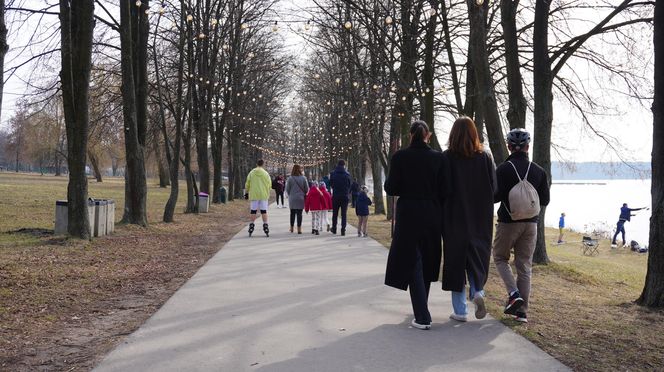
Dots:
(328, 197)
(315, 200)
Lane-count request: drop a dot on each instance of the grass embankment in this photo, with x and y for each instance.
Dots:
(581, 310)
(65, 303)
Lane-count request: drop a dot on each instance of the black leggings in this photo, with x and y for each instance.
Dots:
(293, 214)
(280, 195)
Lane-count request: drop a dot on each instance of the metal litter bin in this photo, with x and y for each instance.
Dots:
(62, 216)
(100, 218)
(203, 202)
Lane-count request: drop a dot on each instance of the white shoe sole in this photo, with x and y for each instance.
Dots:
(414, 324)
(458, 318)
(480, 307)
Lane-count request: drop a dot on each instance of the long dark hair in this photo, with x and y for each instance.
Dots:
(464, 139)
(419, 131)
(297, 170)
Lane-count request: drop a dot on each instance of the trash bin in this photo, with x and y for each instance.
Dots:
(203, 202)
(223, 195)
(62, 216)
(100, 218)
(110, 216)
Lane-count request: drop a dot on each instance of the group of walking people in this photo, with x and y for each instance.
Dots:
(451, 195)
(308, 196)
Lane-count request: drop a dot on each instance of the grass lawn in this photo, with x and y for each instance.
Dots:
(581, 309)
(65, 303)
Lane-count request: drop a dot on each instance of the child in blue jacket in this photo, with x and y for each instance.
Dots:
(362, 211)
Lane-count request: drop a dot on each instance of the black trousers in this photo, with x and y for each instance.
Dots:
(339, 203)
(280, 195)
(419, 293)
(296, 213)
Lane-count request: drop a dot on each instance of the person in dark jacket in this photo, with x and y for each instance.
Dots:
(415, 176)
(354, 192)
(340, 181)
(470, 182)
(362, 211)
(625, 216)
(279, 185)
(520, 235)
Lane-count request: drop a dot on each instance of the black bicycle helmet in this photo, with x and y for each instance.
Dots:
(518, 137)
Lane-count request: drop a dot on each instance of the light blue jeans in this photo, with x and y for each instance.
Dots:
(459, 298)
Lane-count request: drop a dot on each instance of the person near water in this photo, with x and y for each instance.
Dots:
(340, 181)
(362, 211)
(257, 187)
(296, 188)
(279, 185)
(470, 183)
(518, 235)
(328, 205)
(315, 202)
(625, 216)
(561, 227)
(354, 192)
(416, 177)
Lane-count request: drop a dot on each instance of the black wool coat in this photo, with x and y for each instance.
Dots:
(415, 176)
(470, 184)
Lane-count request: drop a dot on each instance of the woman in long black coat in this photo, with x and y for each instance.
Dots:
(470, 182)
(415, 176)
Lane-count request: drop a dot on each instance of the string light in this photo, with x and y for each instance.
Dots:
(348, 25)
(388, 20)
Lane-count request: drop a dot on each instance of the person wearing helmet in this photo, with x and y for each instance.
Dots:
(520, 234)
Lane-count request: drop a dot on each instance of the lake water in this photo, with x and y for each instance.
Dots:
(597, 203)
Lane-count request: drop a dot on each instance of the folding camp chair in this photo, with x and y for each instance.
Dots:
(590, 246)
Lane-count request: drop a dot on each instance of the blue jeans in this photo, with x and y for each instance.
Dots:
(620, 228)
(459, 298)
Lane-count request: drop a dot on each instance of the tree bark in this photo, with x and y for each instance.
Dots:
(133, 41)
(516, 113)
(450, 57)
(543, 80)
(161, 167)
(76, 30)
(4, 47)
(653, 290)
(427, 105)
(485, 87)
(95, 166)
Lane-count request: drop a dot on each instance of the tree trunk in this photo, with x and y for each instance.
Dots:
(516, 113)
(427, 104)
(485, 87)
(450, 57)
(95, 166)
(4, 47)
(543, 79)
(161, 167)
(653, 290)
(133, 40)
(76, 30)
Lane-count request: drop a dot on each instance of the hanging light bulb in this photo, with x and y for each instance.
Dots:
(432, 11)
(355, 84)
(410, 90)
(348, 25)
(251, 55)
(162, 10)
(244, 26)
(201, 36)
(147, 11)
(428, 90)
(307, 26)
(479, 2)
(190, 17)
(275, 27)
(224, 47)
(337, 80)
(213, 22)
(393, 88)
(317, 76)
(138, 3)
(388, 20)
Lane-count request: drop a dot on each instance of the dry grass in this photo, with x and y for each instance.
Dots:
(581, 309)
(65, 303)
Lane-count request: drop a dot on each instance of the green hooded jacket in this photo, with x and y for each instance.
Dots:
(258, 184)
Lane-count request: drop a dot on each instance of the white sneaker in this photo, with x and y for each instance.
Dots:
(480, 308)
(417, 325)
(459, 318)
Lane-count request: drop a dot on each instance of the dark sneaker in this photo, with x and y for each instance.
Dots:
(513, 303)
(316, 232)
(333, 230)
(417, 325)
(343, 232)
(521, 317)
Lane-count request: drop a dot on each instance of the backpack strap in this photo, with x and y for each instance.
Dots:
(517, 172)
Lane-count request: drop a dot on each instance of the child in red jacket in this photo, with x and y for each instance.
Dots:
(328, 205)
(315, 202)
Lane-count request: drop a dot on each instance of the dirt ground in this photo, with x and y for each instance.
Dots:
(64, 303)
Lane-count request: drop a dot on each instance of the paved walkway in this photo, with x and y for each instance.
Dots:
(311, 303)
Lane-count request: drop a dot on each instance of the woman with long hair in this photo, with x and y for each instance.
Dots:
(296, 188)
(415, 176)
(470, 182)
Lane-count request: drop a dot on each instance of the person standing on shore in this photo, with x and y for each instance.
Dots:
(625, 216)
(258, 190)
(340, 181)
(470, 183)
(517, 220)
(416, 177)
(561, 227)
(296, 188)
